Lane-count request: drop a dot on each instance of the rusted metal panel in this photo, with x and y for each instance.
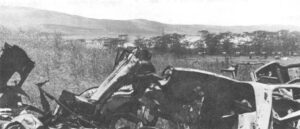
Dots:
(276, 72)
(263, 98)
(262, 118)
(247, 120)
(121, 70)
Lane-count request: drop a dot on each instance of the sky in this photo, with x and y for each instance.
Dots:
(208, 12)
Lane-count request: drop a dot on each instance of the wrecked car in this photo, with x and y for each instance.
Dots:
(15, 66)
(272, 109)
(234, 68)
(277, 72)
(221, 102)
(103, 106)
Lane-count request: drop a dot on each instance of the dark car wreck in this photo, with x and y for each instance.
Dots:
(102, 106)
(224, 102)
(15, 62)
(96, 107)
(278, 72)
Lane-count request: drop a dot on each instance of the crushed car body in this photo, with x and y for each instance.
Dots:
(236, 104)
(277, 72)
(226, 103)
(15, 67)
(273, 110)
(101, 106)
(276, 95)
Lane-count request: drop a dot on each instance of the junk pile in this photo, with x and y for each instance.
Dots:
(189, 98)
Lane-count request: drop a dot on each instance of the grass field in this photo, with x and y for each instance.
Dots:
(71, 66)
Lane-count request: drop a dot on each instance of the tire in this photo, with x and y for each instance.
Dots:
(15, 125)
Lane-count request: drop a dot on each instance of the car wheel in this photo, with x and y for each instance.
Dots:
(15, 125)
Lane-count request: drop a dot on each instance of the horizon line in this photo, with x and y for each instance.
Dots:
(194, 24)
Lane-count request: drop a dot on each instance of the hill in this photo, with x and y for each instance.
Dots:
(72, 25)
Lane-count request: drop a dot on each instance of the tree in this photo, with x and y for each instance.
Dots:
(169, 42)
(143, 42)
(259, 40)
(212, 41)
(225, 41)
(295, 41)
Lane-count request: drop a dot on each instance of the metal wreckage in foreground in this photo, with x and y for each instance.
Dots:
(133, 91)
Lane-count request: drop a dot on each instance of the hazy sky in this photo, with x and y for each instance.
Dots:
(212, 12)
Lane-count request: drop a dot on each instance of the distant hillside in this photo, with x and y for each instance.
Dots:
(72, 25)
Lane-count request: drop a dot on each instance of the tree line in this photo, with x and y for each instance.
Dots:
(257, 42)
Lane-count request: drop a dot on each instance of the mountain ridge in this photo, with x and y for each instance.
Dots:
(52, 21)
